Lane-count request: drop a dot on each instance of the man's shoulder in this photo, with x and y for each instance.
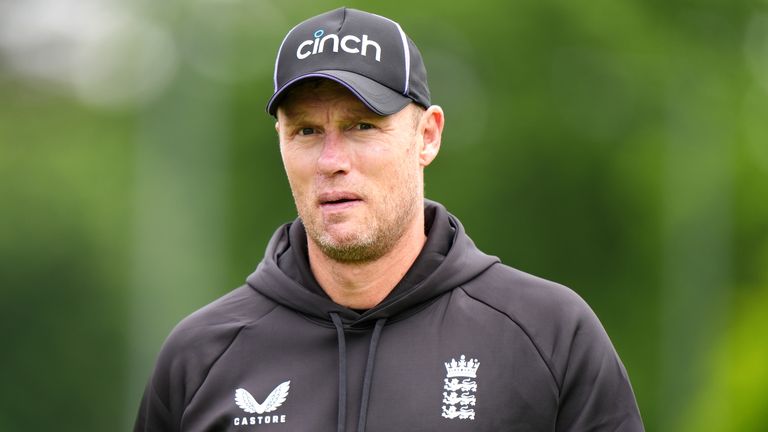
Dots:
(215, 325)
(524, 296)
(197, 342)
(548, 312)
(554, 317)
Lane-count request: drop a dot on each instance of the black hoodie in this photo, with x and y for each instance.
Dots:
(463, 343)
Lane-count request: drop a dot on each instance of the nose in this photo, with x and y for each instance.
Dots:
(334, 157)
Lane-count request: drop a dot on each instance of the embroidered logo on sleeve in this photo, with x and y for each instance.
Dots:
(248, 403)
(460, 388)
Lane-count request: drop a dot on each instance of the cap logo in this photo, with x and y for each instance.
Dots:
(350, 44)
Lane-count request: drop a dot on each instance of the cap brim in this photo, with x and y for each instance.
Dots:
(379, 98)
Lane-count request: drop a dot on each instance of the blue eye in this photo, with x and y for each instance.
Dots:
(306, 131)
(364, 126)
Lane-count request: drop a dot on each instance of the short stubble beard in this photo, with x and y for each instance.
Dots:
(370, 245)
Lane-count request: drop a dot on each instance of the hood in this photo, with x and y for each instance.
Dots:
(462, 263)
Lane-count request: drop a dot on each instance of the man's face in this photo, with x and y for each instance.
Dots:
(356, 177)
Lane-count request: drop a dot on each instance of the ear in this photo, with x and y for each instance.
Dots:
(277, 127)
(431, 129)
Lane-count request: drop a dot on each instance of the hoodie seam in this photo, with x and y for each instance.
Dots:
(536, 346)
(221, 354)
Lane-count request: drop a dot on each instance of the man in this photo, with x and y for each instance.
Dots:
(374, 310)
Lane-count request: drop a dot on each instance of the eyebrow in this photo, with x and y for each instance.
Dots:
(298, 115)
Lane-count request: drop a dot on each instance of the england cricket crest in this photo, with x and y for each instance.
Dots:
(460, 388)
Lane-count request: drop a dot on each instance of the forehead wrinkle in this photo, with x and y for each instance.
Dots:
(358, 111)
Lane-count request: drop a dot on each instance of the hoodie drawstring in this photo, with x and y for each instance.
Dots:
(367, 377)
(369, 374)
(342, 420)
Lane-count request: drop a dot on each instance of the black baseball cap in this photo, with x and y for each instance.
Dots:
(366, 53)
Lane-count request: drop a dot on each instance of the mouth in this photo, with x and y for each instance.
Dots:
(332, 200)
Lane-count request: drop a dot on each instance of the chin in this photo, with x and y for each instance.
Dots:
(344, 237)
(352, 252)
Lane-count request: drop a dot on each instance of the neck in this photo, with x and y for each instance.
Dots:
(364, 285)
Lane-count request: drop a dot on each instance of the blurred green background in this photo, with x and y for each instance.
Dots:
(618, 147)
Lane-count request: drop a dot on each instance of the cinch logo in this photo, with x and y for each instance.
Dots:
(349, 43)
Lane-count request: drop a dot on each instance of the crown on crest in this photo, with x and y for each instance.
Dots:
(462, 368)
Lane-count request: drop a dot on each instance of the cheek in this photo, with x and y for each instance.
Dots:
(297, 178)
(407, 164)
(298, 165)
(398, 176)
